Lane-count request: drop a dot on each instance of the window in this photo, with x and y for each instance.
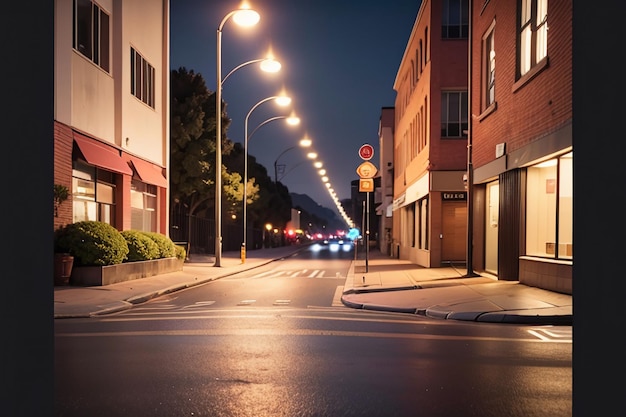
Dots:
(423, 237)
(91, 32)
(489, 68)
(410, 225)
(549, 208)
(93, 194)
(454, 114)
(455, 19)
(533, 34)
(143, 203)
(141, 78)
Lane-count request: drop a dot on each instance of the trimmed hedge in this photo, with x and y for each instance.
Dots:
(167, 248)
(94, 243)
(140, 246)
(91, 243)
(181, 253)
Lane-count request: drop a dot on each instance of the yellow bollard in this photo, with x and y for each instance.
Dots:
(243, 253)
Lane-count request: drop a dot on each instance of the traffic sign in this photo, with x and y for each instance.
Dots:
(367, 170)
(366, 152)
(366, 185)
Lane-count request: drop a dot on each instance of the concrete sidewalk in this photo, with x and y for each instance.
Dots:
(378, 283)
(385, 284)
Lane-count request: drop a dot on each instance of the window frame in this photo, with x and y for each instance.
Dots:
(462, 122)
(99, 204)
(549, 219)
(532, 36)
(142, 78)
(91, 33)
(488, 59)
(457, 10)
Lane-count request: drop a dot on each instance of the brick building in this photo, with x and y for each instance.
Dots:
(521, 135)
(430, 138)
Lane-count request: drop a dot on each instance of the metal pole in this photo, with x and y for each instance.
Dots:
(218, 151)
(470, 168)
(367, 233)
(245, 173)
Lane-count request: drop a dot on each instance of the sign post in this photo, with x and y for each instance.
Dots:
(366, 172)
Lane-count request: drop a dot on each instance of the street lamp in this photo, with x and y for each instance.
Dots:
(243, 17)
(281, 100)
(304, 142)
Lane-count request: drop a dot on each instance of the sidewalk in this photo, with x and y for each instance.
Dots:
(378, 283)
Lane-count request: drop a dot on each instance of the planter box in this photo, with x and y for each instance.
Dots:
(105, 275)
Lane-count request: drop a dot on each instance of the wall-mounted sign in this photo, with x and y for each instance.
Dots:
(454, 196)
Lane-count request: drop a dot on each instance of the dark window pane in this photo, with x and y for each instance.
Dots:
(83, 30)
(104, 41)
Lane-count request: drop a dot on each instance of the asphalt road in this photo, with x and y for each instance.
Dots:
(228, 348)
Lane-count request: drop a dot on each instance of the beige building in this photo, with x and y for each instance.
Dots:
(111, 112)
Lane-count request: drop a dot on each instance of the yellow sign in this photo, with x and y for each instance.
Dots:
(366, 170)
(366, 185)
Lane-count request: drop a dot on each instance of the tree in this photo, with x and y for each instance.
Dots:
(192, 144)
(192, 160)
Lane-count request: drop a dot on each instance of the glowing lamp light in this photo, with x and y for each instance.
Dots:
(270, 65)
(246, 17)
(283, 100)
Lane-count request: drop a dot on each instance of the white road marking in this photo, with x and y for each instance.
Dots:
(553, 334)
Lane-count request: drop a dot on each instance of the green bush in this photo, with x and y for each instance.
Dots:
(140, 246)
(91, 243)
(181, 253)
(167, 248)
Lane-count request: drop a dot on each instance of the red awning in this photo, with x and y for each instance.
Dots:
(149, 172)
(101, 155)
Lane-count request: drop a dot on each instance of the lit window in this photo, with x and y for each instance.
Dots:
(549, 219)
(533, 33)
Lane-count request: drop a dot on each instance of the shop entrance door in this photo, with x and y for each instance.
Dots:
(454, 226)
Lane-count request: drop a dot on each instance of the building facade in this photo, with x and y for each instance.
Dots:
(384, 193)
(111, 112)
(430, 139)
(521, 135)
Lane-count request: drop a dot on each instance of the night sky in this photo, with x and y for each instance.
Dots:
(339, 62)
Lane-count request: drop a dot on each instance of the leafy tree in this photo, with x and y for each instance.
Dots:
(192, 160)
(192, 144)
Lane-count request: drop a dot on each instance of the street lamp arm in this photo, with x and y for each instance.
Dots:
(254, 107)
(291, 169)
(265, 122)
(254, 61)
(282, 153)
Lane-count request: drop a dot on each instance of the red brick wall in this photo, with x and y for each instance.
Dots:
(63, 143)
(542, 105)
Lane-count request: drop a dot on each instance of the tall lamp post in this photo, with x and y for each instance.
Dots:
(292, 120)
(243, 17)
(304, 142)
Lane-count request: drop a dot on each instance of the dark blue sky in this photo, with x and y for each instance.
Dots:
(339, 62)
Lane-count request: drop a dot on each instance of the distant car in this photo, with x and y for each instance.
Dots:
(335, 244)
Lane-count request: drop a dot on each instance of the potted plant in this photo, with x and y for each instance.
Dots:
(61, 193)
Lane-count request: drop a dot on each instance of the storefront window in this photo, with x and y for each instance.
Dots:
(92, 199)
(143, 204)
(549, 208)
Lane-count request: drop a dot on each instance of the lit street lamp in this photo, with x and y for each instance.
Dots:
(243, 17)
(292, 120)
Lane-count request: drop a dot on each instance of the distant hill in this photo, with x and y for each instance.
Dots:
(311, 207)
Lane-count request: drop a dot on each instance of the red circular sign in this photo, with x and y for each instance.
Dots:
(366, 152)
